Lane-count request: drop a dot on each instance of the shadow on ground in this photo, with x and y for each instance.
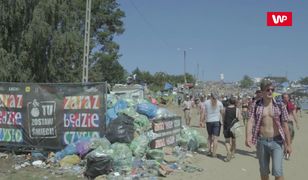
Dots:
(241, 151)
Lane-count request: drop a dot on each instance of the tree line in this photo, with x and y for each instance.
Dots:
(42, 41)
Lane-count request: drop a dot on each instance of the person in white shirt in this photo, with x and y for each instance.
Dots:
(187, 105)
(213, 119)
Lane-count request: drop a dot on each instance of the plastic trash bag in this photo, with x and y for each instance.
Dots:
(103, 142)
(97, 166)
(130, 102)
(147, 109)
(111, 101)
(156, 154)
(142, 123)
(110, 115)
(83, 146)
(100, 151)
(69, 161)
(151, 135)
(122, 157)
(202, 141)
(121, 129)
(68, 150)
(120, 105)
(163, 113)
(131, 112)
(139, 145)
(191, 139)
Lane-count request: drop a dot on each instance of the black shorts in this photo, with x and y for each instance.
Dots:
(213, 128)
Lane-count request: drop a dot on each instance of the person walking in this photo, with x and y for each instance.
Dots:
(245, 107)
(267, 127)
(213, 119)
(187, 105)
(231, 115)
(292, 118)
(201, 107)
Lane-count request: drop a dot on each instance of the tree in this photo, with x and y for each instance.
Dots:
(42, 40)
(304, 81)
(246, 82)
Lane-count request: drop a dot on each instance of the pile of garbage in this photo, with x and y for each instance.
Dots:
(124, 152)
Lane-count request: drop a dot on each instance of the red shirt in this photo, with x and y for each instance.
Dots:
(290, 107)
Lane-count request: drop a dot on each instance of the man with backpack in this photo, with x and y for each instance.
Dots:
(267, 127)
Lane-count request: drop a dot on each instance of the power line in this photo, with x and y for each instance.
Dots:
(149, 25)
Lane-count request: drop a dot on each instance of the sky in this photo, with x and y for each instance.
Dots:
(219, 36)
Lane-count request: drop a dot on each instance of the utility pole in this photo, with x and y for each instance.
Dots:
(86, 47)
(197, 71)
(184, 50)
(203, 75)
(185, 80)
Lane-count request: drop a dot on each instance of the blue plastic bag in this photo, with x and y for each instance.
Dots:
(120, 105)
(110, 115)
(147, 109)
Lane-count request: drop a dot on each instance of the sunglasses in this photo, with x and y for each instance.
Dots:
(270, 89)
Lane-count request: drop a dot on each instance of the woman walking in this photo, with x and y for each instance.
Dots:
(232, 114)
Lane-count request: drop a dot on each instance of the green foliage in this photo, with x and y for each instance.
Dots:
(157, 81)
(108, 68)
(42, 40)
(246, 82)
(304, 81)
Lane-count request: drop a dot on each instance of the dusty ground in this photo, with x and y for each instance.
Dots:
(243, 167)
(30, 173)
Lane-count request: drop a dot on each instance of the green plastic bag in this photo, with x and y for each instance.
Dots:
(122, 157)
(139, 145)
(103, 142)
(156, 154)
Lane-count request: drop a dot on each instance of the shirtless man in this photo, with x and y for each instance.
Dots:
(268, 128)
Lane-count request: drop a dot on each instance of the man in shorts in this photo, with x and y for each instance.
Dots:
(267, 127)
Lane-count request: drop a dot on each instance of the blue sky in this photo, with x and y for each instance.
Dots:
(229, 37)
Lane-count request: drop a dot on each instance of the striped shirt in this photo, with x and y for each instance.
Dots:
(280, 115)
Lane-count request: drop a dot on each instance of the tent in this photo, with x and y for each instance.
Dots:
(168, 86)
